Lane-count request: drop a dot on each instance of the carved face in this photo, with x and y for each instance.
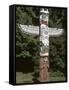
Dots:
(44, 18)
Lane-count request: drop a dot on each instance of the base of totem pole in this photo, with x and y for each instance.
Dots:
(43, 69)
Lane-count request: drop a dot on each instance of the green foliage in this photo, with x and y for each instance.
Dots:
(26, 45)
(57, 17)
(56, 76)
(27, 15)
(57, 50)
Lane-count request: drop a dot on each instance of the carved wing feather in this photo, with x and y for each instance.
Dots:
(55, 32)
(30, 29)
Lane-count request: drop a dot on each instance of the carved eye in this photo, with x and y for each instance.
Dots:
(43, 16)
(46, 32)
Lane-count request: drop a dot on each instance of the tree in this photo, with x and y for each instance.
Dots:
(58, 44)
(26, 45)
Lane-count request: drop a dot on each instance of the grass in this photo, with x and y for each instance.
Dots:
(56, 76)
(27, 78)
(23, 78)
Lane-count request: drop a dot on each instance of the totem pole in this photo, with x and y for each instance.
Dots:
(44, 32)
(44, 46)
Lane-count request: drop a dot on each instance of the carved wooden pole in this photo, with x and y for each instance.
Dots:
(44, 46)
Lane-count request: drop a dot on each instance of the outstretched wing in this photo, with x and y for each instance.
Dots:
(55, 32)
(29, 29)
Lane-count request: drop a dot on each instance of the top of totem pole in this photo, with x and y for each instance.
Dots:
(44, 11)
(44, 17)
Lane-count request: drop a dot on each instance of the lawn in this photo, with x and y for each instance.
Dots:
(27, 77)
(56, 76)
(24, 78)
